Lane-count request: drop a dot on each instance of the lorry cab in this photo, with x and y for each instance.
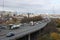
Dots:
(16, 26)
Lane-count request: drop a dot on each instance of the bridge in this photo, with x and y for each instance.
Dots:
(25, 32)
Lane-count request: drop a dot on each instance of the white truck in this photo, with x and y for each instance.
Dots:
(16, 26)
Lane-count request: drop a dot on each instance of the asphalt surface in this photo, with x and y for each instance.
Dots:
(22, 31)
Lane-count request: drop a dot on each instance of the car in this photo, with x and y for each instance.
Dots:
(40, 22)
(10, 34)
(2, 27)
(32, 23)
(37, 23)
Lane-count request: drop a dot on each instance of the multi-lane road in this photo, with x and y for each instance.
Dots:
(22, 31)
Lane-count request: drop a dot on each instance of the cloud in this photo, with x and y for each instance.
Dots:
(30, 5)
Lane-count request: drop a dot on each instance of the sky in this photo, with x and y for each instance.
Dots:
(33, 6)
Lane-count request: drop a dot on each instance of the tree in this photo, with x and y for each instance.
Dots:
(35, 18)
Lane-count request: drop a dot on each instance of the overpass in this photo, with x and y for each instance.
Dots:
(24, 32)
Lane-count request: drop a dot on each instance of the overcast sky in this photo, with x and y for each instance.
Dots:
(34, 6)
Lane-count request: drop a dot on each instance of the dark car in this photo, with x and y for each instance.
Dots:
(10, 34)
(2, 27)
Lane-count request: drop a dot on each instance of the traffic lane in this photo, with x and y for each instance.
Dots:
(17, 32)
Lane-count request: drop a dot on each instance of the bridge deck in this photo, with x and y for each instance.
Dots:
(22, 31)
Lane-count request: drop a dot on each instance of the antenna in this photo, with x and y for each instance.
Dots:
(3, 5)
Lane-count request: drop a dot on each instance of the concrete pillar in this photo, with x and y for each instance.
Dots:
(28, 36)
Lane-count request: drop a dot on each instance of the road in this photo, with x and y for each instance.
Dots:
(22, 31)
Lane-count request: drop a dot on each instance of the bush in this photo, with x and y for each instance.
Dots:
(55, 36)
(45, 37)
(50, 36)
(58, 25)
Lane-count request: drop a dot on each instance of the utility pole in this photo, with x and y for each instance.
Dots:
(28, 15)
(32, 23)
